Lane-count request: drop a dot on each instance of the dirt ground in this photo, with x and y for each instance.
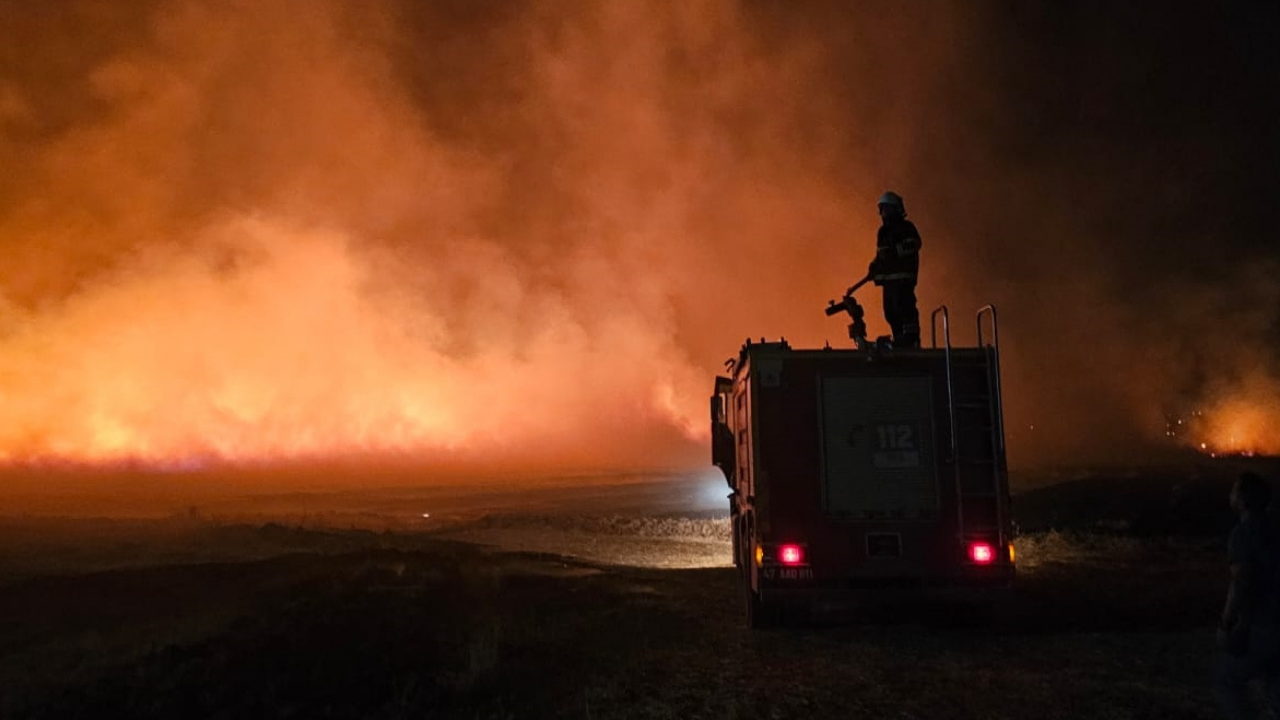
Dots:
(601, 616)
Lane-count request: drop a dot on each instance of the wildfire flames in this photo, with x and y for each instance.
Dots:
(1240, 417)
(238, 238)
(250, 232)
(277, 343)
(1239, 426)
(527, 235)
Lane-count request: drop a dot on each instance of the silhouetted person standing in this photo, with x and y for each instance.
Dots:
(896, 268)
(1250, 630)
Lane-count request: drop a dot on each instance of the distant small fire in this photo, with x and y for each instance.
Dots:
(1238, 425)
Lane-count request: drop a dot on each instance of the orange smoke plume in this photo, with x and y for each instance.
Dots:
(527, 235)
(249, 245)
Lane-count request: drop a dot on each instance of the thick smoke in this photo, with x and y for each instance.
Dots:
(525, 236)
(254, 236)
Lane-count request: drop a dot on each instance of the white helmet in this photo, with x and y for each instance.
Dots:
(894, 200)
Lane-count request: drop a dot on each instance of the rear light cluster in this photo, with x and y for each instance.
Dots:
(984, 553)
(791, 555)
(787, 554)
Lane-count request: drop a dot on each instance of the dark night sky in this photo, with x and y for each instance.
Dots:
(1171, 113)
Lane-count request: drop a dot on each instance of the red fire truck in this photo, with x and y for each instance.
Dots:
(856, 471)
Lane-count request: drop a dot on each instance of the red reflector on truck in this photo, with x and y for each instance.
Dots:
(981, 553)
(790, 554)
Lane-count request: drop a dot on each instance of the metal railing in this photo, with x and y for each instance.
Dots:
(994, 368)
(951, 408)
(996, 406)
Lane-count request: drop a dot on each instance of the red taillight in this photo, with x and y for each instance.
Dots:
(790, 554)
(981, 553)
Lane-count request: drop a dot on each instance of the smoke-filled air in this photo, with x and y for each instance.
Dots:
(526, 236)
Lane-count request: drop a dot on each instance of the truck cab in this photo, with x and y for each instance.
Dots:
(857, 471)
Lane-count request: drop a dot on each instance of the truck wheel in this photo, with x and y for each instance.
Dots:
(756, 616)
(758, 613)
(737, 544)
(761, 614)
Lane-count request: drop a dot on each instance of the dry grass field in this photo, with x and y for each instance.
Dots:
(184, 618)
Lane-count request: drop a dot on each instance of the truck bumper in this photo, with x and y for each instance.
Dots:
(962, 589)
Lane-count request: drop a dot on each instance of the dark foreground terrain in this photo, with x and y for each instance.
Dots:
(189, 618)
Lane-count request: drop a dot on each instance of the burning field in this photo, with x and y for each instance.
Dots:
(481, 237)
(382, 334)
(1239, 421)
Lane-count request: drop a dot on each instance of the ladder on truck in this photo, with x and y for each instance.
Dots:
(976, 415)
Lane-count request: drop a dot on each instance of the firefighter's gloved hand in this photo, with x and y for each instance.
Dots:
(871, 269)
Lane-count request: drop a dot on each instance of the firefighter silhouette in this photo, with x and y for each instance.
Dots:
(896, 269)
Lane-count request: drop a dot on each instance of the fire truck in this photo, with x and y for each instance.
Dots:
(865, 471)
